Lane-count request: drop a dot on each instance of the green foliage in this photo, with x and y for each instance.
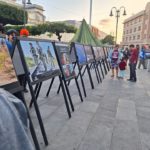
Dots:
(11, 14)
(47, 27)
(109, 39)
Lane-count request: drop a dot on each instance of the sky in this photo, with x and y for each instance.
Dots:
(59, 10)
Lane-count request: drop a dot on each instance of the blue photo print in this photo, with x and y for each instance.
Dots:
(82, 59)
(40, 58)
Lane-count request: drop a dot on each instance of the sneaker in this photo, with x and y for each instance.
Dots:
(128, 79)
(112, 76)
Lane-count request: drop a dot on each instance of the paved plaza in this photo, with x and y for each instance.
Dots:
(114, 116)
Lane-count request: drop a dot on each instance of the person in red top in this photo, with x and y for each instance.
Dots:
(132, 63)
(122, 68)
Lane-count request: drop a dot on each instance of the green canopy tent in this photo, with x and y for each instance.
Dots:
(84, 35)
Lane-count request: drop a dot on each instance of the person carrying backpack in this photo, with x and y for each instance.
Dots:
(114, 57)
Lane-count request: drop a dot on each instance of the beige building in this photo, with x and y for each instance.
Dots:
(35, 12)
(137, 28)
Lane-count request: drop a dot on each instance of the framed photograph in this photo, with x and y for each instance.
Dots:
(40, 58)
(64, 57)
(101, 52)
(81, 55)
(73, 55)
(96, 52)
(7, 71)
(89, 53)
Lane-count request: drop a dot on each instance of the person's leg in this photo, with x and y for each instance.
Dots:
(133, 70)
(144, 64)
(112, 72)
(116, 71)
(130, 72)
(139, 64)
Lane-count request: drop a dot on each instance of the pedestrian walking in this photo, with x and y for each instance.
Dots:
(114, 57)
(142, 58)
(132, 63)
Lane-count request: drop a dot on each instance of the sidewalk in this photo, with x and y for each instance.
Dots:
(114, 116)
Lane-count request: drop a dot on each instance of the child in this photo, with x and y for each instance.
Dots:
(122, 67)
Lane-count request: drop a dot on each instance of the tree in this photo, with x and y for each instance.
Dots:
(10, 14)
(109, 39)
(53, 27)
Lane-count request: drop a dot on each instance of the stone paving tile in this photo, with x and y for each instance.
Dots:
(126, 136)
(72, 133)
(113, 116)
(98, 137)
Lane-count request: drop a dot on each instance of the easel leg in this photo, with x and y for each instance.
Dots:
(96, 72)
(50, 87)
(65, 97)
(33, 134)
(69, 96)
(36, 93)
(90, 77)
(82, 82)
(58, 89)
(100, 65)
(78, 89)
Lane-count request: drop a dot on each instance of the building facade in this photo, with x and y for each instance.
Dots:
(137, 28)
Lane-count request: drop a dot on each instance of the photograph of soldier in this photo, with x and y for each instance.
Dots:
(41, 55)
(7, 72)
(34, 53)
(37, 55)
(50, 57)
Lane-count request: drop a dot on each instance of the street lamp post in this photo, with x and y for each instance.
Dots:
(24, 10)
(117, 17)
(90, 17)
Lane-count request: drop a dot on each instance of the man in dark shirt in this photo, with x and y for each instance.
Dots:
(132, 63)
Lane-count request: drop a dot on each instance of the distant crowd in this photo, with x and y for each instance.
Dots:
(134, 56)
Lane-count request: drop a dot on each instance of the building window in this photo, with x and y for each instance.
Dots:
(127, 31)
(130, 38)
(139, 28)
(138, 37)
(126, 39)
(134, 29)
(135, 21)
(133, 37)
(130, 30)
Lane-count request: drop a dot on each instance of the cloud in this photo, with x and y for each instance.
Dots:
(105, 22)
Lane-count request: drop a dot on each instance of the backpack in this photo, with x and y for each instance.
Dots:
(115, 55)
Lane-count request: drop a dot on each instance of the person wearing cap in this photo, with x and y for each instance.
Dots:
(11, 34)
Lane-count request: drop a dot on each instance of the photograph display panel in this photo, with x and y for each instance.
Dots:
(73, 56)
(82, 59)
(89, 53)
(65, 59)
(7, 71)
(40, 58)
(96, 52)
(101, 52)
